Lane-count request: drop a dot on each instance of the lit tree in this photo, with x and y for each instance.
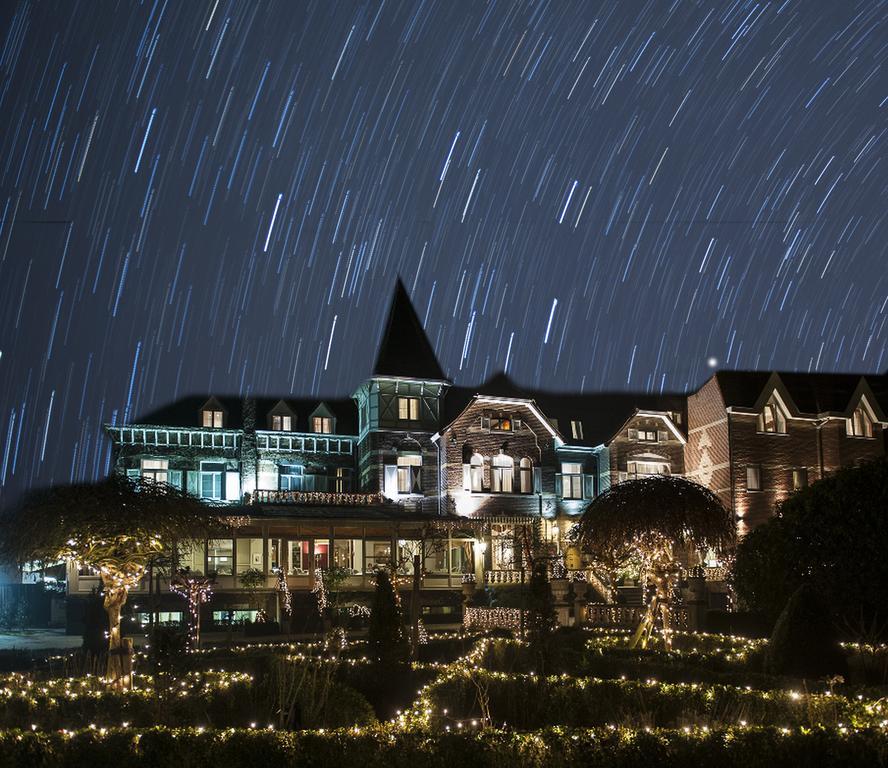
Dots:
(196, 589)
(647, 520)
(117, 527)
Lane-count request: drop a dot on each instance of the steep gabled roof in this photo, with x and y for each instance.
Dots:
(600, 413)
(405, 350)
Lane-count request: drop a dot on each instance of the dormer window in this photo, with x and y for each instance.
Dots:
(500, 422)
(771, 420)
(576, 429)
(282, 423)
(212, 418)
(860, 424)
(408, 408)
(322, 425)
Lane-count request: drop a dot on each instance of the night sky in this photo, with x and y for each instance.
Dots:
(217, 196)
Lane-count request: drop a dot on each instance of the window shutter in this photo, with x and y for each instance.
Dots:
(662, 436)
(193, 478)
(391, 481)
(467, 477)
(558, 485)
(537, 479)
(516, 425)
(588, 486)
(416, 479)
(232, 486)
(485, 422)
(175, 478)
(133, 474)
(633, 434)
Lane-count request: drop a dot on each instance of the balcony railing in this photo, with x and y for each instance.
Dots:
(322, 498)
(502, 577)
(628, 616)
(157, 437)
(281, 441)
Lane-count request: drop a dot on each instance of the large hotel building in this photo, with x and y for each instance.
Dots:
(411, 465)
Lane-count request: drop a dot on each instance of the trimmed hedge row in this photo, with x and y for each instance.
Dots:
(526, 703)
(384, 748)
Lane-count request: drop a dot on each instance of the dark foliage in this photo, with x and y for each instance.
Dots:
(832, 535)
(385, 636)
(805, 642)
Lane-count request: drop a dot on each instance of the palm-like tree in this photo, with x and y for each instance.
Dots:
(117, 527)
(647, 520)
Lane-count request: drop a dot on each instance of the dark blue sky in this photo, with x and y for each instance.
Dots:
(218, 196)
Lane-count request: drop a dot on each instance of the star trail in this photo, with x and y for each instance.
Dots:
(217, 197)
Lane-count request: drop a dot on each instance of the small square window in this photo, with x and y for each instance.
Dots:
(212, 419)
(576, 429)
(322, 425)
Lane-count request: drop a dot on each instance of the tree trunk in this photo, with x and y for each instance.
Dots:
(120, 659)
(414, 605)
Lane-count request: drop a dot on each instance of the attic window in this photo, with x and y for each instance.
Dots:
(576, 429)
(212, 419)
(860, 424)
(771, 419)
(323, 425)
(644, 435)
(282, 423)
(499, 422)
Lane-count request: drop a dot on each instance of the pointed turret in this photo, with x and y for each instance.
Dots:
(405, 351)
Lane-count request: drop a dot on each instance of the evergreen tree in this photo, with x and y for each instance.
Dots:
(386, 636)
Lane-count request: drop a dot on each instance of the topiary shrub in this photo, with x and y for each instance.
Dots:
(385, 635)
(805, 642)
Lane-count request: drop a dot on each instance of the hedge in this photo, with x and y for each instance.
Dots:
(386, 748)
(527, 702)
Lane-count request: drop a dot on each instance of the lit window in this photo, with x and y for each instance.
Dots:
(647, 435)
(155, 469)
(571, 480)
(526, 470)
(211, 479)
(408, 408)
(219, 556)
(576, 429)
(476, 473)
(502, 471)
(799, 478)
(771, 419)
(342, 480)
(290, 477)
(409, 466)
(860, 424)
(322, 425)
(282, 423)
(501, 423)
(753, 478)
(212, 419)
(643, 468)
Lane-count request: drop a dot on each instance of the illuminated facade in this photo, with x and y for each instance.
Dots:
(412, 465)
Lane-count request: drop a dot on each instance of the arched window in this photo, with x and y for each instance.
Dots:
(476, 472)
(502, 473)
(526, 473)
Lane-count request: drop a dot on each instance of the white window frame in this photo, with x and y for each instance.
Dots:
(210, 474)
(571, 480)
(860, 424)
(280, 423)
(772, 420)
(502, 474)
(212, 419)
(409, 473)
(576, 429)
(525, 474)
(322, 425)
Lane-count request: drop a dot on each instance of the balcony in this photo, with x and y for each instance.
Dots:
(283, 441)
(319, 498)
(156, 437)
